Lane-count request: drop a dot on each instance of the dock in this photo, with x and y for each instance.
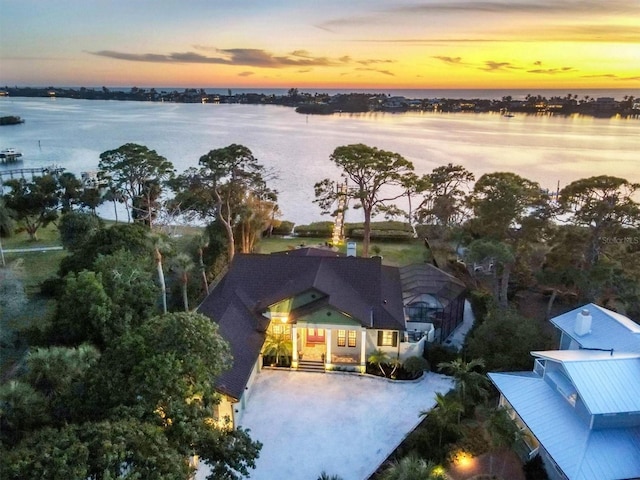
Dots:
(28, 173)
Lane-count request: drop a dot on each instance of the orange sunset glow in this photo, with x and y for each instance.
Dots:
(332, 44)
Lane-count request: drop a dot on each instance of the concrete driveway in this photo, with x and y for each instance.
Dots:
(342, 424)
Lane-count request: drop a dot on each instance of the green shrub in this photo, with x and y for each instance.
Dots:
(316, 229)
(481, 302)
(415, 365)
(436, 353)
(382, 235)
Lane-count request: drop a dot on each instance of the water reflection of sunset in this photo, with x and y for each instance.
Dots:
(548, 150)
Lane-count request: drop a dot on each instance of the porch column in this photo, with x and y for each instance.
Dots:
(294, 347)
(363, 350)
(327, 360)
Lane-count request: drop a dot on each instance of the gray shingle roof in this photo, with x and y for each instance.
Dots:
(354, 285)
(425, 278)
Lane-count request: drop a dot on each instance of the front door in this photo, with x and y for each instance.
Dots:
(315, 335)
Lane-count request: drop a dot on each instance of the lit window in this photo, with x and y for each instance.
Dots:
(281, 330)
(342, 338)
(387, 338)
(352, 338)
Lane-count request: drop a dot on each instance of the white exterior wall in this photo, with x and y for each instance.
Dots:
(412, 349)
(372, 344)
(226, 408)
(234, 410)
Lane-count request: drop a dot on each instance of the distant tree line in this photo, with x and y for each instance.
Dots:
(11, 120)
(326, 104)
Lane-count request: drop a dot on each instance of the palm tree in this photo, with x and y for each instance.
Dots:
(395, 363)
(277, 346)
(159, 245)
(444, 414)
(411, 468)
(468, 380)
(183, 265)
(378, 357)
(201, 243)
(503, 430)
(326, 476)
(22, 408)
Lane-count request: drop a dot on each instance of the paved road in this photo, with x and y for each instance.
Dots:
(30, 249)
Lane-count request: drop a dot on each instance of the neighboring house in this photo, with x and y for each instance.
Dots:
(332, 310)
(433, 301)
(580, 406)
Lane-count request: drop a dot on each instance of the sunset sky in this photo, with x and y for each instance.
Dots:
(328, 43)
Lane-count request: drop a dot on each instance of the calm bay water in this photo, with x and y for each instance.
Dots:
(73, 133)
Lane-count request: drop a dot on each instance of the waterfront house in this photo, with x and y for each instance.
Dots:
(331, 310)
(580, 406)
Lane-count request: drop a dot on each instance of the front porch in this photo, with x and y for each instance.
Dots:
(330, 345)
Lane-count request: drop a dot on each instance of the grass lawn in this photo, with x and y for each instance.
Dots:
(47, 237)
(392, 253)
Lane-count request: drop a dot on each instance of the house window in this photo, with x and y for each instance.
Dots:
(342, 338)
(387, 338)
(284, 330)
(352, 338)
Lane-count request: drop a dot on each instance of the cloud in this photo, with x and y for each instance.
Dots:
(449, 60)
(560, 7)
(234, 56)
(465, 8)
(492, 66)
(372, 61)
(591, 33)
(552, 71)
(245, 74)
(613, 76)
(538, 63)
(251, 57)
(383, 72)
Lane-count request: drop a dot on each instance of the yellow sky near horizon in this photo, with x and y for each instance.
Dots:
(332, 44)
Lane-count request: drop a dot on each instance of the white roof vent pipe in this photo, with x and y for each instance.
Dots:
(583, 323)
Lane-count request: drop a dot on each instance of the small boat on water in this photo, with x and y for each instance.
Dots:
(9, 155)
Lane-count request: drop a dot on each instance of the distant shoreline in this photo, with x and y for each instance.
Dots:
(369, 101)
(416, 93)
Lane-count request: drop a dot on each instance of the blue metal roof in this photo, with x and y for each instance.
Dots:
(606, 382)
(608, 329)
(608, 385)
(581, 453)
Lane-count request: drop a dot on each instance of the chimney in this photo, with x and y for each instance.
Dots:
(583, 323)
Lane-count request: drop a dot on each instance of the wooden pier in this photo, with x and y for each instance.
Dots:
(28, 173)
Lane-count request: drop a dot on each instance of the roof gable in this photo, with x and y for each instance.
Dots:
(608, 329)
(424, 278)
(607, 386)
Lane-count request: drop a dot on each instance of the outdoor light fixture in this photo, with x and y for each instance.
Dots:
(463, 460)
